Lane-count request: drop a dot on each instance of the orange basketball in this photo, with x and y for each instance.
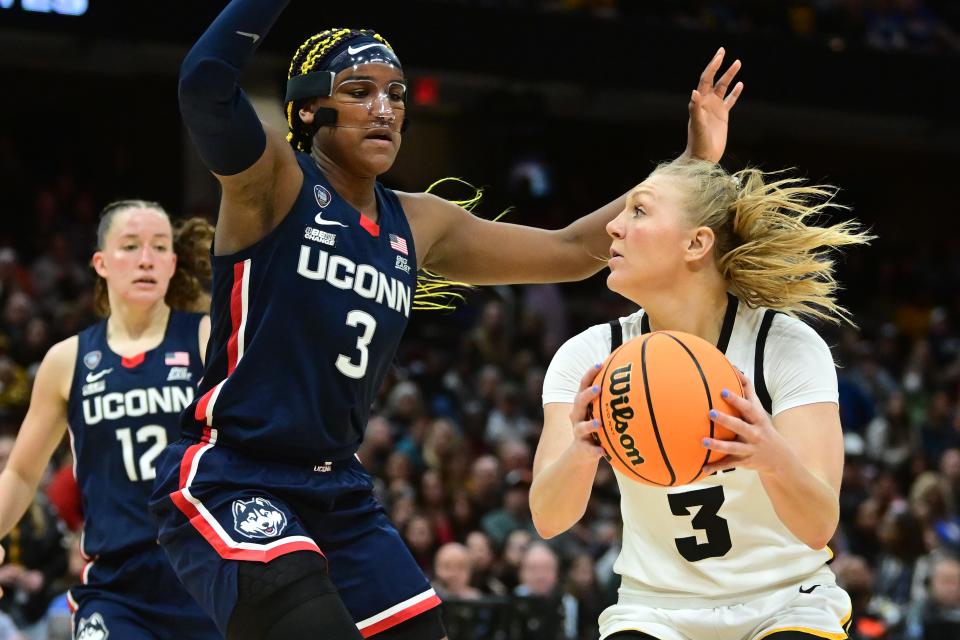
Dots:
(655, 394)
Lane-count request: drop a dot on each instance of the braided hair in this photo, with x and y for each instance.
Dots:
(311, 56)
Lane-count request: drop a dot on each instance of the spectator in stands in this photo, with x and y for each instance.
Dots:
(452, 569)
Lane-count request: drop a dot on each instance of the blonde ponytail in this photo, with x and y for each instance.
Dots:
(769, 247)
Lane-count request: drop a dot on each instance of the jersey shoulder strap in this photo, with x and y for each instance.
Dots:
(759, 384)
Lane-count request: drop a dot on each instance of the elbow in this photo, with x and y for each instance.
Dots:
(546, 530)
(205, 92)
(820, 537)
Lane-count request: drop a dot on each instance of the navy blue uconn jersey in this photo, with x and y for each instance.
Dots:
(122, 412)
(305, 326)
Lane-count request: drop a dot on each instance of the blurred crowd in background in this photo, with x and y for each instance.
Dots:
(454, 430)
(892, 25)
(452, 439)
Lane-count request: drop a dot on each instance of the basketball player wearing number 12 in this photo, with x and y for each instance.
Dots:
(740, 554)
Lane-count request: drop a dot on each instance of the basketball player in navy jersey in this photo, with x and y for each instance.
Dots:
(265, 511)
(739, 555)
(119, 386)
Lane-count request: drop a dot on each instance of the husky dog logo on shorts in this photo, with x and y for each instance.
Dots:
(92, 628)
(258, 518)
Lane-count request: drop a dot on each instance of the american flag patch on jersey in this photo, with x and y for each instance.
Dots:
(398, 243)
(177, 359)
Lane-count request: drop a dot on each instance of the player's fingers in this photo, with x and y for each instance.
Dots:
(730, 447)
(740, 403)
(584, 398)
(756, 411)
(731, 99)
(588, 377)
(728, 463)
(720, 88)
(706, 78)
(740, 427)
(584, 428)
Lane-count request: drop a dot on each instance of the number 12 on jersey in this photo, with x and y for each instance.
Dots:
(142, 469)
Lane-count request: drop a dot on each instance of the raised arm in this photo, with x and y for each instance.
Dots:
(459, 245)
(256, 166)
(41, 432)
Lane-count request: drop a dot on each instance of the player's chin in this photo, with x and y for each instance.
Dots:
(145, 295)
(618, 282)
(379, 161)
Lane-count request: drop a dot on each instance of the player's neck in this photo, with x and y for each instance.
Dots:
(130, 324)
(698, 310)
(360, 193)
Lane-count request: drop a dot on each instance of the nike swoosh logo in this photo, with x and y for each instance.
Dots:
(252, 36)
(93, 377)
(810, 590)
(319, 220)
(354, 52)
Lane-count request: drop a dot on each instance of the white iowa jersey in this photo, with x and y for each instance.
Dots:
(718, 538)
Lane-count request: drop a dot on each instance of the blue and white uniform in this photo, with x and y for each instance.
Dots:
(121, 414)
(306, 323)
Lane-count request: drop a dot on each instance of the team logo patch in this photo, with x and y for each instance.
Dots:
(258, 518)
(92, 628)
(179, 373)
(92, 359)
(322, 195)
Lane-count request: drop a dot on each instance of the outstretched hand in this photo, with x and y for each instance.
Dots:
(710, 105)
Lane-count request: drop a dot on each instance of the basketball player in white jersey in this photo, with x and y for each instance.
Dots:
(741, 554)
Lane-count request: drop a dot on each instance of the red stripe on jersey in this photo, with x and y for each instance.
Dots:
(187, 461)
(369, 225)
(236, 313)
(200, 411)
(400, 616)
(133, 361)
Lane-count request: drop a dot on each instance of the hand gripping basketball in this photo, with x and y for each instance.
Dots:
(585, 426)
(758, 444)
(655, 394)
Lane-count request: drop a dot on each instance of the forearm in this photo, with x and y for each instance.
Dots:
(218, 114)
(589, 241)
(807, 505)
(560, 493)
(16, 494)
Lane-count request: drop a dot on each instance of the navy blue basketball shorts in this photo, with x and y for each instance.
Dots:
(137, 597)
(217, 507)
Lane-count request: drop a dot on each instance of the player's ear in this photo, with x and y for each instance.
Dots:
(701, 242)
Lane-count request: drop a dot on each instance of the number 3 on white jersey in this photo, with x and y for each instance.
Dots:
(345, 364)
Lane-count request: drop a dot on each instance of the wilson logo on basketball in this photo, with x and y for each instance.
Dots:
(656, 392)
(622, 412)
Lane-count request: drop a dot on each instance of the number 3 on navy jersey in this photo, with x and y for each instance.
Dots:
(345, 363)
(706, 519)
